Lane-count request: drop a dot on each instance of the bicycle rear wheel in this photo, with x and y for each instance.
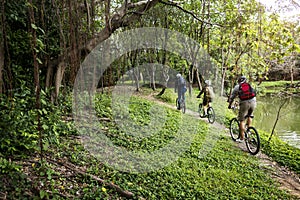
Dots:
(234, 129)
(211, 115)
(176, 102)
(252, 140)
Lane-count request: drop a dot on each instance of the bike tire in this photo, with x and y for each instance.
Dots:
(176, 102)
(234, 129)
(211, 115)
(183, 108)
(252, 140)
(201, 110)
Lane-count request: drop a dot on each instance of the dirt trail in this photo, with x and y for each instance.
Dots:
(287, 179)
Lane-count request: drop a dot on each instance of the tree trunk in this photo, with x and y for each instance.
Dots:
(136, 73)
(2, 45)
(277, 118)
(6, 77)
(58, 79)
(36, 76)
(207, 34)
(198, 79)
(1, 63)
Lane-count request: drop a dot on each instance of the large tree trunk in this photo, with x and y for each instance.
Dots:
(127, 14)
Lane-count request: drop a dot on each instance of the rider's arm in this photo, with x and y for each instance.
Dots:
(201, 92)
(233, 95)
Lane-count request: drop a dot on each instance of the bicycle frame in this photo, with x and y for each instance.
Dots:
(252, 138)
(210, 113)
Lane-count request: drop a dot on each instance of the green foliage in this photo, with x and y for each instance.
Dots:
(275, 87)
(7, 166)
(225, 172)
(169, 96)
(103, 105)
(19, 123)
(281, 152)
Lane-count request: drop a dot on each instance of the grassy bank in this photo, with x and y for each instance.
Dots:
(274, 87)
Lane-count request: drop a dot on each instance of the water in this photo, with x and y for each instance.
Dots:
(288, 125)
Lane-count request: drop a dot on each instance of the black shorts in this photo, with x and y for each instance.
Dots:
(206, 101)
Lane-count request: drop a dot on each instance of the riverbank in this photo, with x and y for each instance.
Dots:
(269, 88)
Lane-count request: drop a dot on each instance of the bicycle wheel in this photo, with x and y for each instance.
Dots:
(234, 129)
(252, 140)
(201, 110)
(183, 106)
(211, 115)
(176, 102)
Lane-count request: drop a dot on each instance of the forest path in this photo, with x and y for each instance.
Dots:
(287, 179)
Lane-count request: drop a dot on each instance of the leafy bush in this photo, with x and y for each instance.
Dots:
(168, 96)
(19, 122)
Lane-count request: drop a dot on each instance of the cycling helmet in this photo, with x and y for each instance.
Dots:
(242, 79)
(207, 82)
(178, 75)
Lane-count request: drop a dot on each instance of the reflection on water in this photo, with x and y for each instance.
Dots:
(288, 126)
(291, 137)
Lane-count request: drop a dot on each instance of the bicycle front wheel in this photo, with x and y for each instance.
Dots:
(252, 140)
(201, 110)
(211, 115)
(183, 107)
(234, 129)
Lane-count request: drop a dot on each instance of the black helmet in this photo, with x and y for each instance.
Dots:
(242, 79)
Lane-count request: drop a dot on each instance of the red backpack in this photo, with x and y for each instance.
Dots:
(246, 92)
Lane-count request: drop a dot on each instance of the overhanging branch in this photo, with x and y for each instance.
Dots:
(169, 3)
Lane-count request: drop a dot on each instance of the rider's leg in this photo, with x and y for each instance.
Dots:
(252, 106)
(249, 121)
(242, 129)
(205, 106)
(243, 111)
(178, 99)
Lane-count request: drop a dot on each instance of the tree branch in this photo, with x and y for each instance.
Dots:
(277, 118)
(119, 20)
(169, 3)
(111, 185)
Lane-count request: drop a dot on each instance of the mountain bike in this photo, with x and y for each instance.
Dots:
(252, 138)
(182, 105)
(210, 113)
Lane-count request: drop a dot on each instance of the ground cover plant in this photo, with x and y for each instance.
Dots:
(68, 170)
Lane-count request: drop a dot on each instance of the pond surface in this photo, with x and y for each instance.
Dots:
(288, 125)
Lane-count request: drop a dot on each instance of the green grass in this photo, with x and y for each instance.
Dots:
(281, 152)
(224, 172)
(211, 167)
(274, 87)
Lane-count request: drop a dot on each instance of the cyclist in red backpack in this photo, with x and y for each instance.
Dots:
(247, 104)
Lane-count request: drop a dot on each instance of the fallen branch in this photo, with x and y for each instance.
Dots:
(74, 168)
